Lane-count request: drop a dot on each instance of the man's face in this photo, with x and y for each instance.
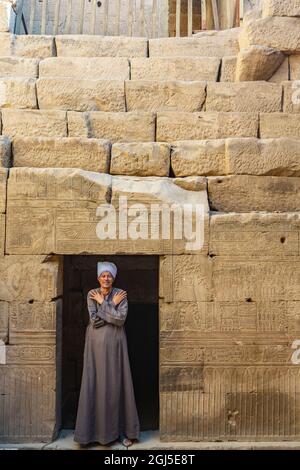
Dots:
(106, 279)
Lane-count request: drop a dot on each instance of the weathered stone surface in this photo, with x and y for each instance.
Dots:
(202, 157)
(244, 97)
(165, 95)
(27, 278)
(254, 193)
(27, 45)
(281, 33)
(34, 122)
(30, 379)
(277, 157)
(140, 159)
(100, 46)
(34, 323)
(96, 68)
(7, 16)
(258, 63)
(204, 44)
(67, 220)
(5, 152)
(3, 318)
(62, 152)
(3, 181)
(282, 73)
(186, 278)
(117, 127)
(228, 69)
(291, 97)
(191, 183)
(2, 241)
(257, 235)
(175, 68)
(81, 95)
(19, 67)
(206, 125)
(279, 125)
(255, 280)
(294, 67)
(280, 8)
(17, 93)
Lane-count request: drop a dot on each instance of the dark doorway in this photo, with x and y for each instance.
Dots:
(138, 275)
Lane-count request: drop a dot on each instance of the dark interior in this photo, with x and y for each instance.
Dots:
(138, 275)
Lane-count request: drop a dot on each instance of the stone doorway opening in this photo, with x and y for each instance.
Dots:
(139, 276)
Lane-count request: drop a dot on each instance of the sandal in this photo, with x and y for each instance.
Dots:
(125, 441)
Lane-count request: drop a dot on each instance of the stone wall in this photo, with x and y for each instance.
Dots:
(222, 132)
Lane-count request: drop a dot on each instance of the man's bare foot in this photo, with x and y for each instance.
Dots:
(125, 441)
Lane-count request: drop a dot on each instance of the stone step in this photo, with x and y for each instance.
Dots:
(205, 44)
(173, 126)
(279, 125)
(257, 96)
(69, 45)
(62, 152)
(229, 68)
(144, 95)
(117, 127)
(237, 156)
(31, 45)
(19, 67)
(96, 68)
(175, 68)
(18, 93)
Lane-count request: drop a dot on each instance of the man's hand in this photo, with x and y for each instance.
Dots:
(98, 322)
(119, 297)
(96, 295)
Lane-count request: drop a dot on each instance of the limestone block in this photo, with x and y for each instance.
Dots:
(27, 45)
(72, 215)
(95, 68)
(32, 383)
(255, 280)
(100, 46)
(165, 95)
(62, 221)
(291, 97)
(279, 125)
(19, 67)
(62, 152)
(175, 68)
(258, 63)
(173, 126)
(185, 278)
(81, 95)
(255, 235)
(4, 319)
(244, 97)
(282, 73)
(294, 67)
(204, 44)
(117, 127)
(281, 33)
(3, 181)
(34, 123)
(34, 323)
(2, 240)
(29, 278)
(17, 93)
(5, 151)
(7, 16)
(277, 157)
(191, 183)
(140, 159)
(280, 8)
(202, 157)
(228, 69)
(252, 193)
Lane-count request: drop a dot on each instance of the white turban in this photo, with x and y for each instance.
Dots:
(106, 266)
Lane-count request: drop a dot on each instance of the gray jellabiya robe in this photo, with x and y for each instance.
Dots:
(107, 405)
